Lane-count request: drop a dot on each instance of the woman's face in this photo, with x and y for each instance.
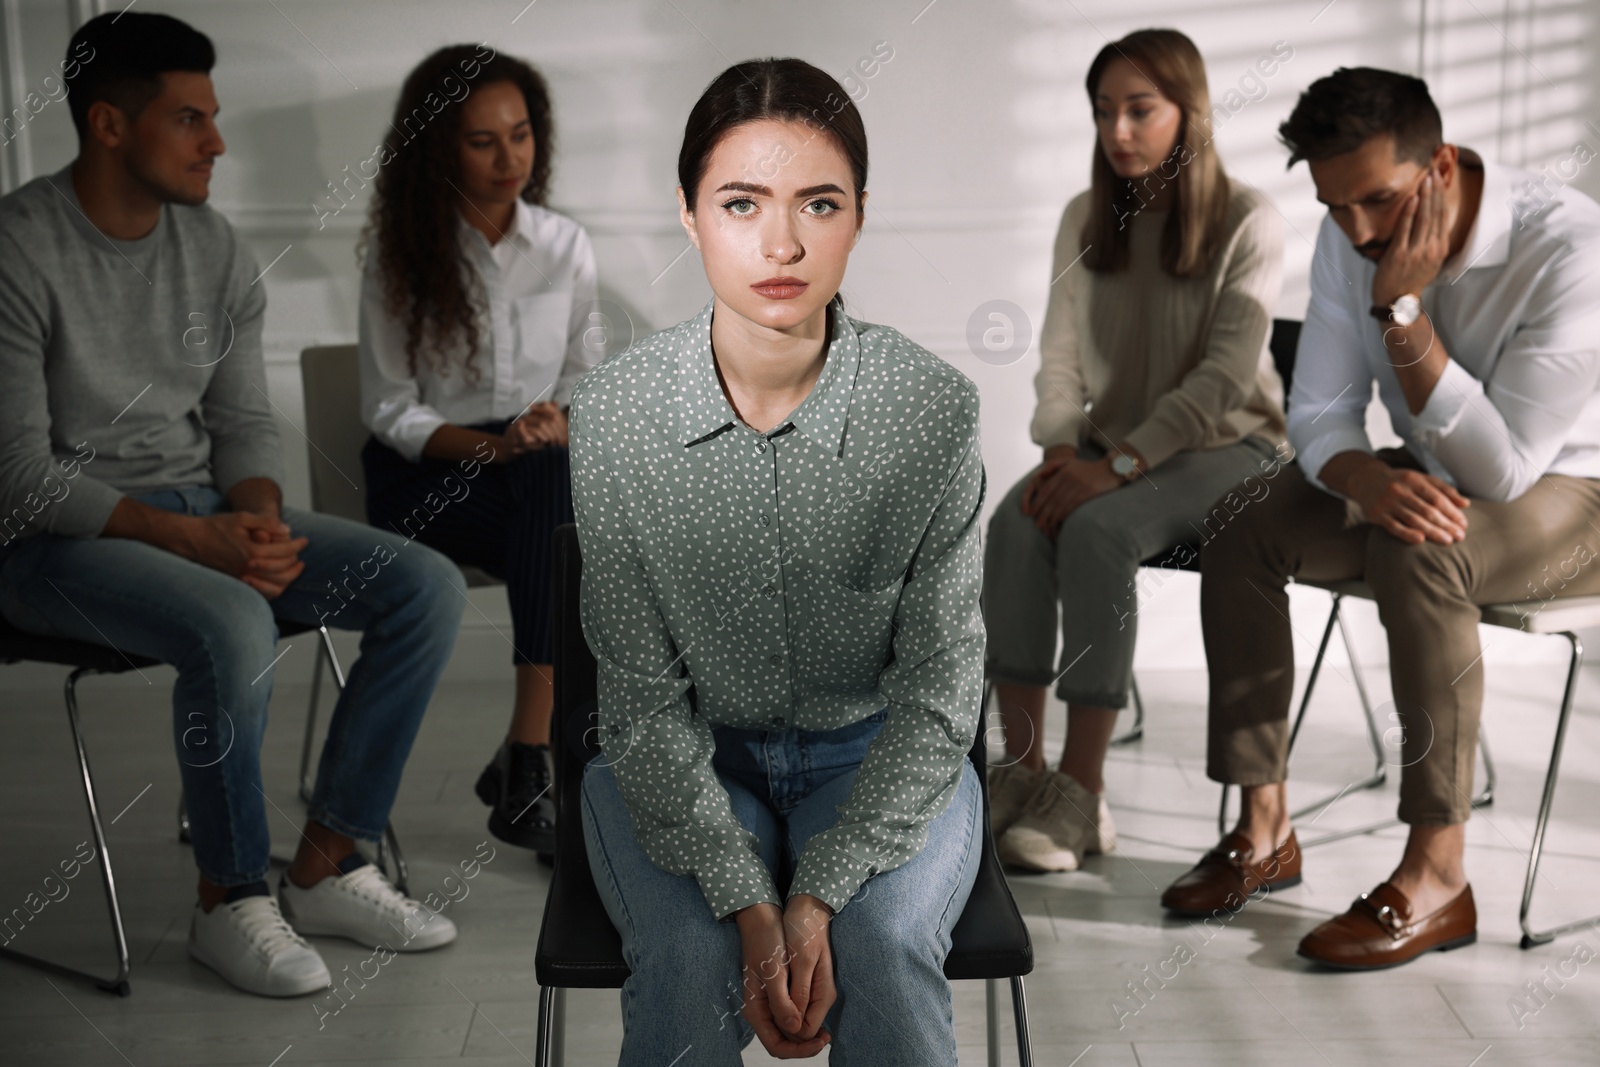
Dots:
(1138, 127)
(496, 144)
(775, 219)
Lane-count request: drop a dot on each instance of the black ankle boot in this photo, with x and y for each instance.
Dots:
(517, 785)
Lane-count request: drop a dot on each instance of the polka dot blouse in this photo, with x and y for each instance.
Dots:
(800, 578)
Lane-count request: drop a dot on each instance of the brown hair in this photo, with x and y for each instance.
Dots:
(1200, 205)
(788, 89)
(428, 283)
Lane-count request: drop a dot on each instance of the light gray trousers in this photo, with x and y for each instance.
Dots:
(1090, 570)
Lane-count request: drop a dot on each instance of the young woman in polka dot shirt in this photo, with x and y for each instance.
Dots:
(778, 511)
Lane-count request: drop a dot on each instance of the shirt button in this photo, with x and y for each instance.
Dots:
(769, 592)
(615, 730)
(761, 445)
(775, 659)
(765, 520)
(778, 721)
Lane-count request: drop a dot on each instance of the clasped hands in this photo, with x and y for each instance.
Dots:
(1062, 483)
(542, 424)
(788, 974)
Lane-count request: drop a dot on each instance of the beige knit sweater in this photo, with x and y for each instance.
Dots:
(1163, 363)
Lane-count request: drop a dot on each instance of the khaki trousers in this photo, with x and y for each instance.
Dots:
(1544, 544)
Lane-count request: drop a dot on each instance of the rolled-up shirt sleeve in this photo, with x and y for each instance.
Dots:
(933, 686)
(1498, 437)
(658, 748)
(391, 401)
(1332, 381)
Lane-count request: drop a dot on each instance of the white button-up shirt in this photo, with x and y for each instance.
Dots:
(535, 338)
(1518, 311)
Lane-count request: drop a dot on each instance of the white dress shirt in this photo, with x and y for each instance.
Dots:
(1518, 311)
(542, 291)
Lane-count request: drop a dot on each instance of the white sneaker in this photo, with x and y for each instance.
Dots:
(1105, 828)
(1059, 828)
(366, 908)
(248, 943)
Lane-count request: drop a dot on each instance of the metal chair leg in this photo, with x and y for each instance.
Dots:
(550, 1044)
(1019, 1007)
(1486, 797)
(558, 1042)
(183, 820)
(311, 728)
(119, 984)
(1530, 936)
(991, 1021)
(1136, 731)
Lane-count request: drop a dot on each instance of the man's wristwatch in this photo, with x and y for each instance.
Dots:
(1124, 466)
(1403, 312)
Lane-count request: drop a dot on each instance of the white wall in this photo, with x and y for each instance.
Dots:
(979, 131)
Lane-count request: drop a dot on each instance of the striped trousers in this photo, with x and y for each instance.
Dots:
(496, 517)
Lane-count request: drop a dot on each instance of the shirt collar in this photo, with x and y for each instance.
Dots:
(704, 411)
(519, 234)
(1489, 242)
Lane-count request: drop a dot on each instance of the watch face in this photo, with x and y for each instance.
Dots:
(1407, 309)
(1123, 465)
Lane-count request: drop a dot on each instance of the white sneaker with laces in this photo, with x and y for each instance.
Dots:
(366, 908)
(1059, 828)
(248, 943)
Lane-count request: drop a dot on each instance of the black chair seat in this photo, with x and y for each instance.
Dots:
(17, 646)
(1181, 557)
(578, 946)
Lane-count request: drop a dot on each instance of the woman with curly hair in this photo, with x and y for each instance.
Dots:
(474, 302)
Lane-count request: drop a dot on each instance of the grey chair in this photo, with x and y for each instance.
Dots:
(1561, 617)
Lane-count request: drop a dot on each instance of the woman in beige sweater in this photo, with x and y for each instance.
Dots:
(1156, 395)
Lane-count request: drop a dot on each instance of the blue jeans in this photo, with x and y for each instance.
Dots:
(889, 942)
(222, 637)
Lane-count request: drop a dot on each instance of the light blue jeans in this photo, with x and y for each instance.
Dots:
(222, 636)
(889, 942)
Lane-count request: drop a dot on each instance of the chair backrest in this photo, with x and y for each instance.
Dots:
(331, 381)
(1285, 341)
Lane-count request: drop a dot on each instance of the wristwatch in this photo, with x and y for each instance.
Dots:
(1124, 466)
(1403, 312)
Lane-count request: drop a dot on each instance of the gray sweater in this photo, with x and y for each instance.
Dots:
(125, 366)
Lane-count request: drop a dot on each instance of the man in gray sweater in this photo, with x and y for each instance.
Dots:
(140, 508)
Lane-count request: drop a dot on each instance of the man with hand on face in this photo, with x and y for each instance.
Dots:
(1480, 323)
(130, 339)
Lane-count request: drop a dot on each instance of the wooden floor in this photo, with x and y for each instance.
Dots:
(1243, 997)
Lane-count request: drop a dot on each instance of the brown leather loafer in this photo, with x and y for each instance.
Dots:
(1227, 875)
(1380, 931)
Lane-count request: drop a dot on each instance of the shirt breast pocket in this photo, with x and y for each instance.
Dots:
(539, 329)
(846, 636)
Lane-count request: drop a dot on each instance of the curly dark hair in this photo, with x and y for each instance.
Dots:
(427, 281)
